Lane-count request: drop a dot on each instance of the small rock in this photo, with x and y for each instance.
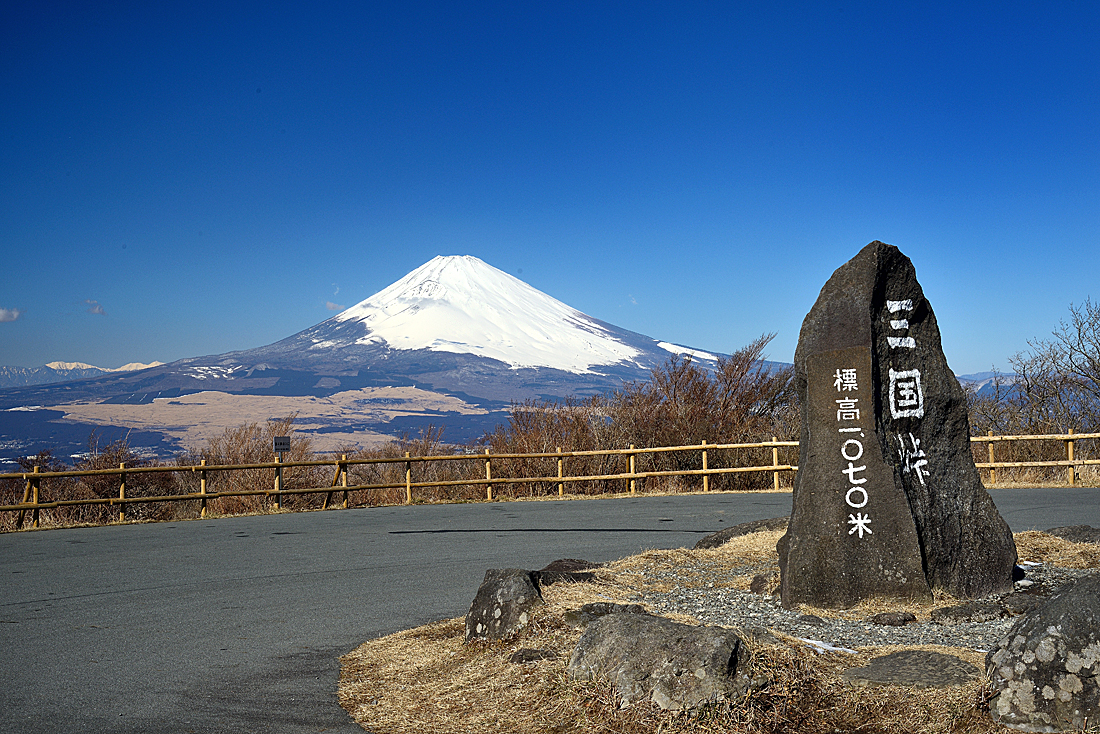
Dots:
(762, 636)
(714, 540)
(974, 611)
(760, 583)
(503, 604)
(572, 570)
(914, 668)
(531, 655)
(811, 619)
(1018, 603)
(893, 619)
(1077, 533)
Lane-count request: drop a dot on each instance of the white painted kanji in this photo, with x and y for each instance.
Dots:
(846, 380)
(860, 522)
(847, 410)
(913, 458)
(906, 395)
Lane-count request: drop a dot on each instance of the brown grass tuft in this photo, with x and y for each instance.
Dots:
(1033, 545)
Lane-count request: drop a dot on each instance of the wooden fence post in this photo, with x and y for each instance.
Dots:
(992, 471)
(488, 476)
(344, 478)
(775, 462)
(122, 493)
(37, 485)
(29, 491)
(633, 485)
(561, 483)
(1069, 456)
(278, 484)
(408, 480)
(706, 477)
(341, 472)
(202, 488)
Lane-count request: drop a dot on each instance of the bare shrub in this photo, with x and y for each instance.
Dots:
(251, 443)
(392, 473)
(682, 404)
(143, 484)
(14, 491)
(545, 427)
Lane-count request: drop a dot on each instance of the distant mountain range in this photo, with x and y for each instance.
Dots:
(60, 372)
(455, 327)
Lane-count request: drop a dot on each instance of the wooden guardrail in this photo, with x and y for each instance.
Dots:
(1071, 463)
(33, 503)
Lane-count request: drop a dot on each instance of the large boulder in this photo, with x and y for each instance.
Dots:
(503, 604)
(1044, 672)
(887, 501)
(678, 666)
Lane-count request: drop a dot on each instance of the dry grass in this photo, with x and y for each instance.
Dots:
(1040, 547)
(426, 680)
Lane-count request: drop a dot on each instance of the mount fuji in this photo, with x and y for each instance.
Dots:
(460, 305)
(454, 328)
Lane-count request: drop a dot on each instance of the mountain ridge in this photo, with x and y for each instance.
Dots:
(53, 372)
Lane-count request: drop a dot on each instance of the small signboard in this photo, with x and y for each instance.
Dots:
(282, 443)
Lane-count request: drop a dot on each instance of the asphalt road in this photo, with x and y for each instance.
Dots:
(236, 625)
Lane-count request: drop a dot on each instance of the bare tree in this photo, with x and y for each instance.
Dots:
(1055, 388)
(1058, 379)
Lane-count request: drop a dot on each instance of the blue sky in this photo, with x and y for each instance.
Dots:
(182, 179)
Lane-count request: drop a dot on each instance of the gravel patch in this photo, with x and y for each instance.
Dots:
(711, 603)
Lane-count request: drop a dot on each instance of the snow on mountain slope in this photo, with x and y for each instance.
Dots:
(129, 367)
(463, 305)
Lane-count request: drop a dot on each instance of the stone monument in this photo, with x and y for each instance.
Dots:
(887, 501)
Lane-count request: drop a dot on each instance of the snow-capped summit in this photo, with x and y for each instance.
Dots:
(464, 305)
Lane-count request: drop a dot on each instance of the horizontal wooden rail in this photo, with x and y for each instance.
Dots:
(396, 460)
(1037, 437)
(1036, 464)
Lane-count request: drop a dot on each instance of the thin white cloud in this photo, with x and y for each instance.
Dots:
(334, 306)
(94, 307)
(10, 314)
